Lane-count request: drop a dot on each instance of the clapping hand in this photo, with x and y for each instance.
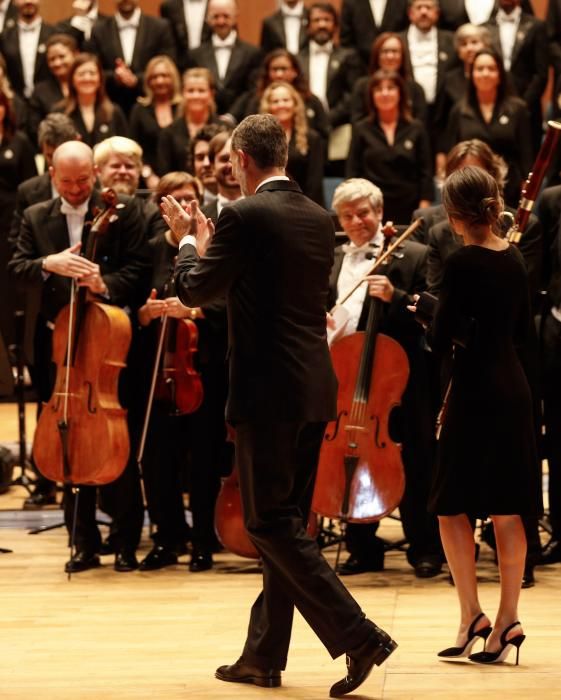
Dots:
(191, 222)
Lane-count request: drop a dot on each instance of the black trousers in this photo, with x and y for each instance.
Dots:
(277, 464)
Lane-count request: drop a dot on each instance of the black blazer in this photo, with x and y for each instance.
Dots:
(9, 46)
(145, 130)
(549, 213)
(359, 99)
(11, 16)
(453, 13)
(122, 253)
(271, 256)
(174, 145)
(273, 35)
(45, 96)
(65, 27)
(343, 70)
(173, 11)
(553, 24)
(103, 128)
(245, 59)
(358, 29)
(307, 170)
(153, 37)
(35, 189)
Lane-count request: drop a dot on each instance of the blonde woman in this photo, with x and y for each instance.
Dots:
(305, 148)
(157, 109)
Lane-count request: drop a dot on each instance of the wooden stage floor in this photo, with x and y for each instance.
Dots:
(160, 635)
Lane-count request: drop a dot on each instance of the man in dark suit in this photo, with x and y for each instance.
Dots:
(81, 23)
(454, 13)
(188, 31)
(125, 43)
(232, 62)
(286, 28)
(271, 255)
(359, 207)
(228, 188)
(8, 14)
(331, 70)
(23, 45)
(46, 257)
(359, 27)
(521, 40)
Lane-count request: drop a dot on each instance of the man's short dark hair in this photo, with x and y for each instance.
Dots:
(205, 133)
(325, 7)
(217, 143)
(262, 137)
(55, 129)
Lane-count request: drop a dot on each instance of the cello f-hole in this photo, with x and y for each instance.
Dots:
(329, 438)
(379, 444)
(91, 409)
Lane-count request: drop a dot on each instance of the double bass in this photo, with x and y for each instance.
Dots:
(360, 474)
(82, 435)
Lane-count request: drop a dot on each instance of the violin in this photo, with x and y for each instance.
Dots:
(360, 473)
(82, 435)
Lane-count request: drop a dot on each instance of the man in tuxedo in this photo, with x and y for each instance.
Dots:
(521, 40)
(331, 70)
(188, 23)
(286, 28)
(23, 45)
(228, 188)
(8, 14)
(51, 235)
(454, 13)
(125, 43)
(271, 255)
(81, 23)
(199, 161)
(359, 207)
(363, 20)
(232, 62)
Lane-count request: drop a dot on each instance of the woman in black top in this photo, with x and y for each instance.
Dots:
(61, 52)
(391, 149)
(95, 117)
(155, 111)
(305, 147)
(389, 53)
(488, 112)
(487, 459)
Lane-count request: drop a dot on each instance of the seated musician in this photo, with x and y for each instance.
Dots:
(359, 207)
(51, 235)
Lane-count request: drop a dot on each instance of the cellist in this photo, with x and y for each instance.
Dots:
(359, 207)
(47, 254)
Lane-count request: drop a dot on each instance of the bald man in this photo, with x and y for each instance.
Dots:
(51, 238)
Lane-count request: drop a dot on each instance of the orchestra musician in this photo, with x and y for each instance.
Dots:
(271, 255)
(359, 207)
(52, 234)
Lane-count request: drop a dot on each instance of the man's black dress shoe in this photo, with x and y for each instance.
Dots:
(158, 557)
(528, 580)
(201, 560)
(360, 661)
(552, 553)
(39, 499)
(240, 672)
(125, 560)
(106, 547)
(353, 565)
(427, 568)
(82, 561)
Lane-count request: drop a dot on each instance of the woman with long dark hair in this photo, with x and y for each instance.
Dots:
(391, 149)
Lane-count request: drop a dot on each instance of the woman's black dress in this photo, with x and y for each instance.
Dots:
(487, 462)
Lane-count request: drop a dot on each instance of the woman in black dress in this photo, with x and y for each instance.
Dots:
(489, 112)
(391, 149)
(487, 459)
(305, 146)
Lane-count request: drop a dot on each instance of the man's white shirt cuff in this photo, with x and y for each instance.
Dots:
(189, 239)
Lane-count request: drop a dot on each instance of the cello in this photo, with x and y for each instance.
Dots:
(360, 473)
(82, 435)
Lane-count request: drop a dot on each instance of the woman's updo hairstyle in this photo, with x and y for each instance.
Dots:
(471, 195)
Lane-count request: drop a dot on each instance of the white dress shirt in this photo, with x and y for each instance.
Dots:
(195, 11)
(378, 8)
(479, 11)
(319, 64)
(356, 264)
(423, 49)
(223, 51)
(84, 23)
(128, 29)
(222, 202)
(292, 19)
(508, 27)
(28, 35)
(74, 219)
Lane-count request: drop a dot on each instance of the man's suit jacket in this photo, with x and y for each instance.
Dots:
(122, 253)
(453, 13)
(529, 63)
(153, 37)
(173, 11)
(343, 70)
(446, 59)
(273, 35)
(271, 256)
(11, 16)
(9, 47)
(36, 189)
(358, 29)
(245, 60)
(65, 27)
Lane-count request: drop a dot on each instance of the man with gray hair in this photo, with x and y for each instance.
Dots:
(359, 205)
(271, 256)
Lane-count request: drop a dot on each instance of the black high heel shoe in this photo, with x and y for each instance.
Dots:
(472, 635)
(493, 657)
